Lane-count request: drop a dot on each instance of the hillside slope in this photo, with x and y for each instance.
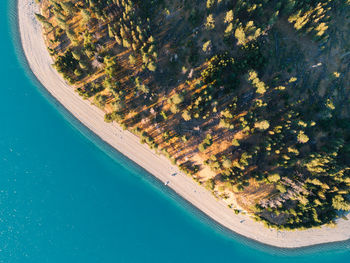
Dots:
(250, 98)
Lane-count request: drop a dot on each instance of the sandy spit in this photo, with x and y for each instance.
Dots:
(128, 144)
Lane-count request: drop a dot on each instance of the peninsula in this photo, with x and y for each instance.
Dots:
(240, 108)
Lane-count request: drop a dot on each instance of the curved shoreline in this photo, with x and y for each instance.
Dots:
(128, 144)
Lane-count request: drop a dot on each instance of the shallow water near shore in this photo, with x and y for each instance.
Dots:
(67, 197)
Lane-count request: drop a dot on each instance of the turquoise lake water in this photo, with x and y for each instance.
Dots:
(67, 197)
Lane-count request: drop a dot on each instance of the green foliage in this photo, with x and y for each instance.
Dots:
(177, 98)
(68, 7)
(210, 3)
(132, 60)
(100, 100)
(247, 33)
(208, 141)
(66, 63)
(262, 125)
(235, 142)
(281, 188)
(229, 17)
(40, 18)
(210, 184)
(274, 178)
(111, 67)
(86, 16)
(43, 21)
(207, 46)
(340, 203)
(210, 22)
(257, 83)
(186, 115)
(152, 66)
(227, 164)
(302, 137)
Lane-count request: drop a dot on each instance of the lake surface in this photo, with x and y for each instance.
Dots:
(67, 197)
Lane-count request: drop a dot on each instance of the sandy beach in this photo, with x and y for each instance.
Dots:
(129, 145)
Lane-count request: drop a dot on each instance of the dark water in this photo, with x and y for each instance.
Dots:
(67, 197)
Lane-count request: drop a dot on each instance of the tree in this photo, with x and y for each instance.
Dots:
(302, 137)
(229, 17)
(227, 164)
(76, 55)
(61, 23)
(281, 188)
(174, 108)
(210, 3)
(78, 72)
(240, 35)
(235, 142)
(100, 100)
(111, 66)
(186, 115)
(339, 203)
(210, 184)
(43, 21)
(40, 17)
(229, 29)
(132, 60)
(83, 65)
(210, 22)
(86, 16)
(126, 43)
(143, 88)
(118, 106)
(274, 178)
(71, 35)
(110, 31)
(68, 7)
(262, 125)
(207, 46)
(247, 33)
(177, 98)
(201, 147)
(152, 66)
(259, 85)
